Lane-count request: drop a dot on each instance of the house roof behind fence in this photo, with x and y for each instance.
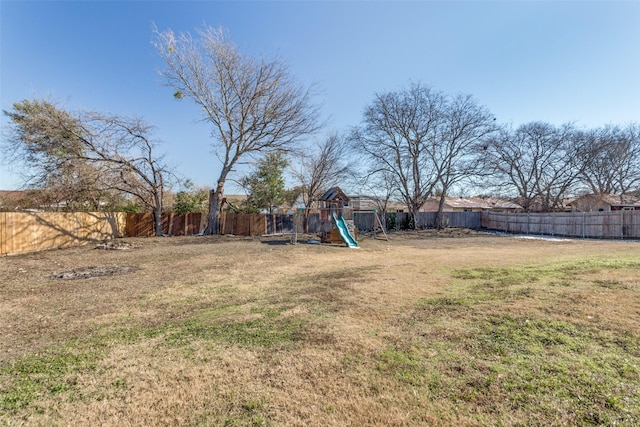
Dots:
(619, 200)
(478, 203)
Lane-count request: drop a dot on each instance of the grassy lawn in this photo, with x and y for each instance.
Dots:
(438, 329)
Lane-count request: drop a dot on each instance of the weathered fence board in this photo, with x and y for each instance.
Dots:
(462, 219)
(35, 231)
(365, 221)
(604, 225)
(244, 224)
(141, 224)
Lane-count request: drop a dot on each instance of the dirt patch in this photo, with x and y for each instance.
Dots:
(116, 245)
(94, 271)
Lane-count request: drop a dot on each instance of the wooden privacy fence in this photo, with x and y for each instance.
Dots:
(617, 224)
(243, 224)
(141, 224)
(426, 220)
(35, 231)
(27, 231)
(365, 220)
(258, 224)
(624, 224)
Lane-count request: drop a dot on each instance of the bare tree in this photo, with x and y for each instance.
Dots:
(114, 153)
(424, 139)
(611, 159)
(123, 147)
(254, 106)
(394, 138)
(382, 186)
(320, 167)
(536, 162)
(463, 126)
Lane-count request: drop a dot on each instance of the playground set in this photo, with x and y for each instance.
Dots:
(336, 219)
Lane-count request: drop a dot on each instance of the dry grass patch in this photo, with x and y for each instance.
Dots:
(424, 329)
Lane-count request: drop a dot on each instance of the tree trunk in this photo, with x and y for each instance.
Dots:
(305, 219)
(215, 201)
(213, 221)
(414, 216)
(440, 214)
(157, 221)
(157, 213)
(305, 222)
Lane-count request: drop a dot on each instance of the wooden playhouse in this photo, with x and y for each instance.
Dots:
(335, 201)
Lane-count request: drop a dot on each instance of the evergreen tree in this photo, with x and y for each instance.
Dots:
(266, 185)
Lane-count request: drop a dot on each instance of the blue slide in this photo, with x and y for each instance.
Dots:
(345, 234)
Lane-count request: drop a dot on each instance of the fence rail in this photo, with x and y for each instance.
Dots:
(35, 231)
(623, 224)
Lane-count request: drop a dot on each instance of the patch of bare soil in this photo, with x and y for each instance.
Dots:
(93, 271)
(117, 245)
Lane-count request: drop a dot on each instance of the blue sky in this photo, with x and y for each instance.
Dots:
(524, 60)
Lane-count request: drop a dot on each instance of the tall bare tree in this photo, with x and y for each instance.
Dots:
(536, 163)
(253, 105)
(611, 159)
(395, 138)
(424, 139)
(462, 128)
(115, 153)
(125, 150)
